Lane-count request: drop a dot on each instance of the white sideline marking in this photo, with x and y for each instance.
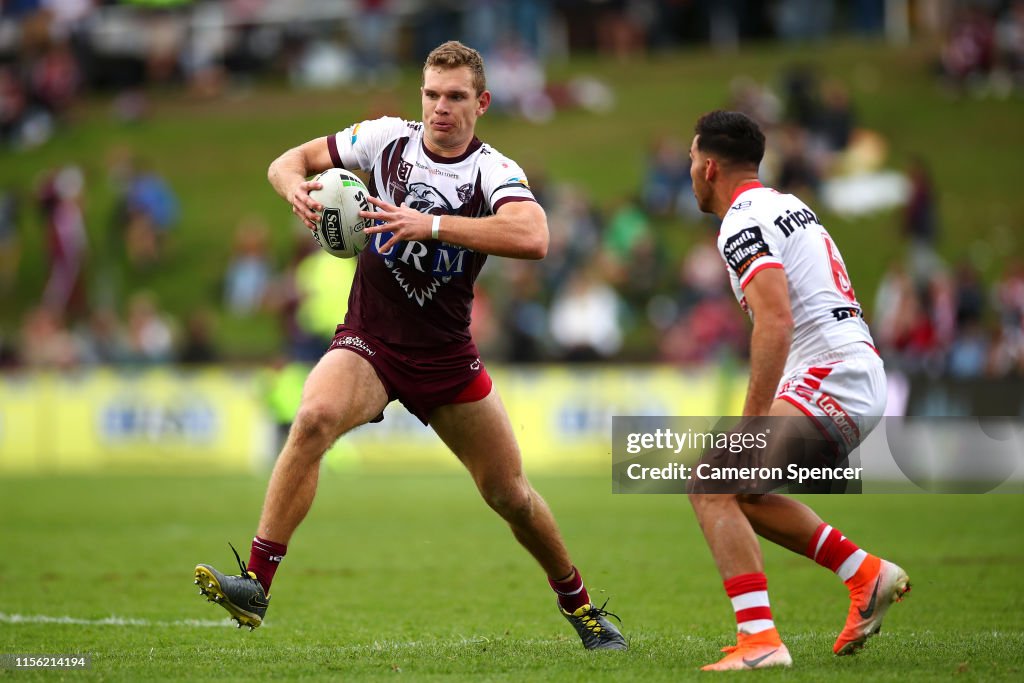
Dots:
(110, 621)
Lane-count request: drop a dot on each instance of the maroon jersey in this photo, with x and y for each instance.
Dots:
(419, 294)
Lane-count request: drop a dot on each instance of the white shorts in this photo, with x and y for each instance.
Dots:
(843, 391)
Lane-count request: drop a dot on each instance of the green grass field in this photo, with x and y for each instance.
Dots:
(411, 577)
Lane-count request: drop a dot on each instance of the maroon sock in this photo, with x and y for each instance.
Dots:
(572, 594)
(264, 559)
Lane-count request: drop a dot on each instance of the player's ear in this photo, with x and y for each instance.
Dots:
(483, 102)
(710, 169)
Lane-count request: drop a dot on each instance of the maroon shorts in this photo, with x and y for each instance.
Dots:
(423, 382)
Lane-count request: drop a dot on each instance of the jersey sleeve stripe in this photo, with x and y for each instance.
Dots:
(332, 147)
(504, 200)
(757, 269)
(506, 186)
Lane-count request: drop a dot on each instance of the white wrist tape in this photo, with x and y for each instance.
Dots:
(435, 227)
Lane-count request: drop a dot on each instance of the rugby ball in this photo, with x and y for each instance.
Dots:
(340, 230)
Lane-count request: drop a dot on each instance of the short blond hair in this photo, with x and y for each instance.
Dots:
(452, 55)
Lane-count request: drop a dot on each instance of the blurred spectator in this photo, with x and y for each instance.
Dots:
(916, 340)
(623, 26)
(667, 188)
(103, 339)
(530, 22)
(1010, 43)
(798, 174)
(310, 297)
(703, 274)
(281, 387)
(13, 108)
(150, 337)
(146, 211)
(524, 323)
(969, 49)
(869, 16)
(60, 197)
(575, 232)
(709, 331)
(10, 240)
(198, 346)
(798, 20)
(891, 305)
(836, 120)
(756, 101)
(486, 21)
(374, 33)
(584, 318)
(940, 302)
(45, 343)
(251, 44)
(921, 221)
(969, 296)
(1008, 349)
(969, 353)
(249, 270)
(627, 228)
(166, 34)
(724, 19)
(1006, 356)
(55, 80)
(800, 96)
(517, 82)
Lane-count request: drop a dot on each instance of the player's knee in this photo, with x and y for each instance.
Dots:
(514, 502)
(316, 426)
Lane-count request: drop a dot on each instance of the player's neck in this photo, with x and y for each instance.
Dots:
(731, 190)
(447, 152)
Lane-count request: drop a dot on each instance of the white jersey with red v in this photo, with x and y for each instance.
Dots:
(766, 229)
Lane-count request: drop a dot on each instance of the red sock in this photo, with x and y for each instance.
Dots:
(831, 549)
(749, 596)
(572, 594)
(264, 559)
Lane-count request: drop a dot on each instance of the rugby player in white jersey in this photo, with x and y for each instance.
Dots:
(811, 361)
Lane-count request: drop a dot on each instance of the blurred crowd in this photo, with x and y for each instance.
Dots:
(52, 50)
(636, 280)
(983, 51)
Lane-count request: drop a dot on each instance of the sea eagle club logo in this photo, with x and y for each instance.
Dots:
(421, 268)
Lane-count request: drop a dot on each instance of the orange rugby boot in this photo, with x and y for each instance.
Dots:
(875, 587)
(753, 651)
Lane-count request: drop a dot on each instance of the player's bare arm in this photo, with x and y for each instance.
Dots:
(517, 230)
(767, 295)
(287, 174)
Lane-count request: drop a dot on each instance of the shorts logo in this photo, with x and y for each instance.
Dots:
(355, 343)
(842, 421)
(475, 365)
(744, 248)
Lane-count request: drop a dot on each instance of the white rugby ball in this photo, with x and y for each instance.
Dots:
(340, 230)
